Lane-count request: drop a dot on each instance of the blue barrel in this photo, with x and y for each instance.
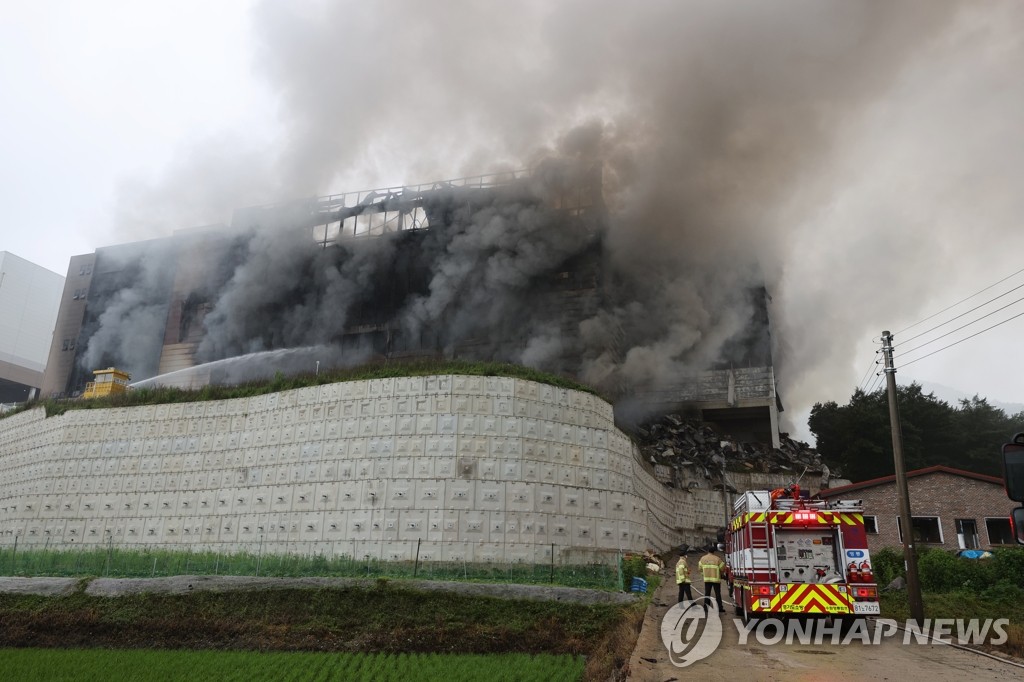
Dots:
(638, 585)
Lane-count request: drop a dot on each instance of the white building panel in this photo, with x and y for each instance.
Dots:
(426, 425)
(359, 524)
(452, 525)
(401, 494)
(336, 524)
(312, 527)
(474, 526)
(423, 467)
(435, 525)
(548, 499)
(490, 496)
(429, 494)
(467, 385)
(456, 552)
(511, 469)
(413, 525)
(402, 467)
(560, 529)
(461, 495)
(444, 467)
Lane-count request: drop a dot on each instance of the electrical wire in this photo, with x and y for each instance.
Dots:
(962, 327)
(961, 301)
(862, 383)
(998, 324)
(966, 312)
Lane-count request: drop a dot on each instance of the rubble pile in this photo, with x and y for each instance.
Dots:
(682, 449)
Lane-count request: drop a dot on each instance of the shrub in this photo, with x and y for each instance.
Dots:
(1005, 593)
(942, 571)
(888, 565)
(633, 565)
(939, 571)
(1008, 565)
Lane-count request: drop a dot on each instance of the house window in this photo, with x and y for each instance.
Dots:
(926, 529)
(967, 534)
(999, 531)
(871, 524)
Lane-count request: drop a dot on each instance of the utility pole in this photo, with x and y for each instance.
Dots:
(902, 491)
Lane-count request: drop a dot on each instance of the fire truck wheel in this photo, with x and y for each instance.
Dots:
(846, 624)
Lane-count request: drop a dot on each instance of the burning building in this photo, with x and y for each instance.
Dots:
(512, 267)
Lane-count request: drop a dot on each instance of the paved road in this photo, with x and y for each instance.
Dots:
(891, 660)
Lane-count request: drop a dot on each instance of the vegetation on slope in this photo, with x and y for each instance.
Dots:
(117, 562)
(955, 587)
(383, 370)
(383, 619)
(84, 665)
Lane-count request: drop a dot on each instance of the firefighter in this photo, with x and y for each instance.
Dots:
(683, 579)
(711, 567)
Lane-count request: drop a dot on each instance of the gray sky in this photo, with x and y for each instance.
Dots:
(871, 153)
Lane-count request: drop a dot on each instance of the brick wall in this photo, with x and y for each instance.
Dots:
(944, 495)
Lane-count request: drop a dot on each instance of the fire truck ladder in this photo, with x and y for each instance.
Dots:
(759, 555)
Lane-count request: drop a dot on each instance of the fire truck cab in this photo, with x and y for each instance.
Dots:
(790, 555)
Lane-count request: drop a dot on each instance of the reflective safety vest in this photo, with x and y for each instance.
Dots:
(711, 568)
(682, 572)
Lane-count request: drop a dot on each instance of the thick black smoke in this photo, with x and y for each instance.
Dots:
(832, 150)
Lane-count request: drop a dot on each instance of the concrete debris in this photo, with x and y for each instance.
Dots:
(685, 449)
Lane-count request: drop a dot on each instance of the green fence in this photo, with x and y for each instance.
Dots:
(113, 562)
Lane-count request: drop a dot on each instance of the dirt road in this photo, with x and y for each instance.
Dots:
(891, 660)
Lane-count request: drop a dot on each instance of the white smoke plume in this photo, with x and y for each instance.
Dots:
(834, 150)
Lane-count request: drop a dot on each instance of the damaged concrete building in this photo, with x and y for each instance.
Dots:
(517, 268)
(506, 267)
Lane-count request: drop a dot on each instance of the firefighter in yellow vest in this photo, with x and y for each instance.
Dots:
(711, 567)
(683, 579)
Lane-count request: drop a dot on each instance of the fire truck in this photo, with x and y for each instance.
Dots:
(789, 555)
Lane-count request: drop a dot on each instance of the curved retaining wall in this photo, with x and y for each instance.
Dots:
(468, 468)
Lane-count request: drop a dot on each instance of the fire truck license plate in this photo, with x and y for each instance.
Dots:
(866, 607)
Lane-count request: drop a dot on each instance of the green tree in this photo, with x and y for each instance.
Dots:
(983, 429)
(857, 437)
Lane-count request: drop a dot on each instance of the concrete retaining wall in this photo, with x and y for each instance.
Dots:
(468, 468)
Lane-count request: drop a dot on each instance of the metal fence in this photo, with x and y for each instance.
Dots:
(114, 562)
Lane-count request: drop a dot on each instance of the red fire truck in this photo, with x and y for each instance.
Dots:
(791, 555)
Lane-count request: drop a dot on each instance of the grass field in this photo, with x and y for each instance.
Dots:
(995, 604)
(382, 619)
(85, 665)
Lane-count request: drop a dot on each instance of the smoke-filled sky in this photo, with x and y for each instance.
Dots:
(863, 157)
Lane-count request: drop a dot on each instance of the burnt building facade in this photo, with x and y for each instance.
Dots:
(508, 267)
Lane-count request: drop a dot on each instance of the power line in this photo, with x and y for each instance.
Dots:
(962, 340)
(960, 301)
(867, 373)
(966, 312)
(928, 343)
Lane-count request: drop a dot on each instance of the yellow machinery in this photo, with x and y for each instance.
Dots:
(108, 381)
